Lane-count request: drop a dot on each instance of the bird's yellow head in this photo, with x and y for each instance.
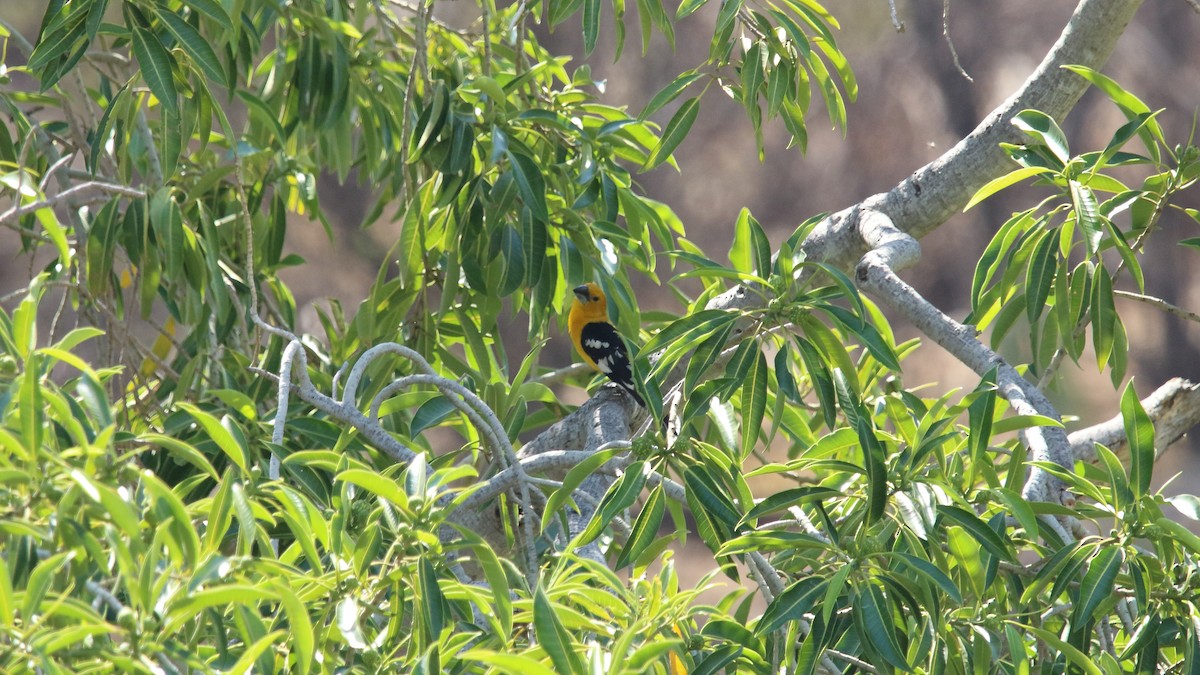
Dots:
(589, 297)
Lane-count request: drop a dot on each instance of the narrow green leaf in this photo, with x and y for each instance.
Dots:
(980, 413)
(512, 253)
(573, 480)
(1008, 180)
(591, 24)
(753, 74)
(793, 603)
(213, 10)
(670, 93)
(676, 130)
(754, 401)
(1127, 255)
(553, 637)
(1139, 429)
(530, 184)
(219, 434)
(780, 501)
(376, 483)
(1074, 656)
(300, 628)
(619, 497)
(983, 535)
(194, 45)
(1132, 107)
(432, 602)
(1097, 584)
(705, 356)
(820, 379)
(930, 572)
(707, 492)
(874, 460)
(1104, 317)
(1039, 276)
(644, 530)
(687, 7)
(430, 414)
(156, 63)
(876, 615)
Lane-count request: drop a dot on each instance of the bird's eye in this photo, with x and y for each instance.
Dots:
(595, 298)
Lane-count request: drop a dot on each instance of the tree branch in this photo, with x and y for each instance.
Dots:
(932, 194)
(876, 275)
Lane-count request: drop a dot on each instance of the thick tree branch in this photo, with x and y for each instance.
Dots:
(876, 276)
(935, 192)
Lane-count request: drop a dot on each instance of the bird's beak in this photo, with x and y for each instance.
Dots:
(582, 293)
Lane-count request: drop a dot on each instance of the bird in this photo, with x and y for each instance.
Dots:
(597, 340)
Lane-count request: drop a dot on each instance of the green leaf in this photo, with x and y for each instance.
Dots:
(793, 603)
(299, 628)
(1087, 214)
(1074, 656)
(213, 10)
(432, 602)
(504, 662)
(707, 492)
(676, 130)
(679, 337)
(1139, 429)
(820, 379)
(376, 483)
(1104, 317)
(644, 530)
(512, 253)
(553, 637)
(194, 45)
(753, 74)
(705, 356)
(983, 535)
(220, 435)
(619, 497)
(997, 184)
(874, 460)
(1188, 505)
(1132, 107)
(1097, 584)
(1041, 127)
(156, 63)
(780, 501)
(687, 7)
(1039, 277)
(754, 401)
(591, 24)
(431, 413)
(876, 615)
(670, 92)
(980, 413)
(573, 480)
(530, 184)
(931, 573)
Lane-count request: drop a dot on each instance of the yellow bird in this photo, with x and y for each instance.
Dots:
(598, 341)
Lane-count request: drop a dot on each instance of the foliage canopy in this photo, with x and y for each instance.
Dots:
(425, 502)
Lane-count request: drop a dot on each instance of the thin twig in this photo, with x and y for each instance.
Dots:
(896, 22)
(950, 41)
(17, 211)
(1159, 303)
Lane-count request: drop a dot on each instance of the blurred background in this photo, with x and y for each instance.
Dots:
(913, 105)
